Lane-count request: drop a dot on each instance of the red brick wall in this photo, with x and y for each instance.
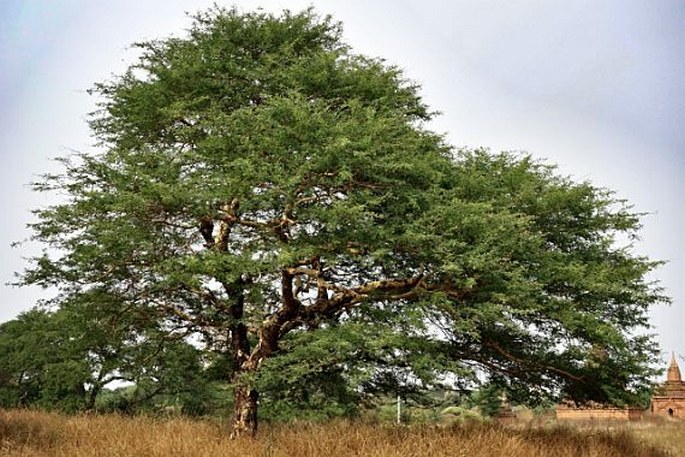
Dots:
(599, 414)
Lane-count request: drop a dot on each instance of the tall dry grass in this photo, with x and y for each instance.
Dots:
(34, 434)
(669, 436)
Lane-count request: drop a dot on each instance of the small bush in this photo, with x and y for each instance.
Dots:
(461, 415)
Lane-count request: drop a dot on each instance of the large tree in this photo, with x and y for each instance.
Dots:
(261, 185)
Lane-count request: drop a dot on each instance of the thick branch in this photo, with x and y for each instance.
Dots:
(321, 289)
(239, 342)
(270, 332)
(227, 221)
(290, 303)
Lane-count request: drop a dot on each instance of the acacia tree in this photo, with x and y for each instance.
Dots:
(257, 180)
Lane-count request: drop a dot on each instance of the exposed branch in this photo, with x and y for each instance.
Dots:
(290, 303)
(321, 289)
(227, 221)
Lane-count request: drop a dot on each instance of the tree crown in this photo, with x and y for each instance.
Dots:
(259, 183)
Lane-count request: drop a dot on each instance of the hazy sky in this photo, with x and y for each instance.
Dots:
(595, 87)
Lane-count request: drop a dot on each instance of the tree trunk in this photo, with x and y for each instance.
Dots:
(245, 412)
(90, 397)
(245, 397)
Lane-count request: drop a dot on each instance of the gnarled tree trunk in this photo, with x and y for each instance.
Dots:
(245, 412)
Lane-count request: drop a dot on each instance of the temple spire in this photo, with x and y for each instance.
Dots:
(673, 370)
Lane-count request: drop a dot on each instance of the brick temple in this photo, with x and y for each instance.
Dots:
(668, 401)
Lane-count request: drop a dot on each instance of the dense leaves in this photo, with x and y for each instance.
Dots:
(262, 188)
(66, 359)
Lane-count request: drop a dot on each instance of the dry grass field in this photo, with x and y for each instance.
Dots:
(34, 434)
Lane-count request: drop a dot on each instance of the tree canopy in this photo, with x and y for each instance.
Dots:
(259, 185)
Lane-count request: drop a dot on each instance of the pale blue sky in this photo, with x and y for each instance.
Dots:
(596, 87)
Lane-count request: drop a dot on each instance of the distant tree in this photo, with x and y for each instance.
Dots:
(171, 375)
(104, 337)
(64, 359)
(45, 364)
(261, 186)
(26, 347)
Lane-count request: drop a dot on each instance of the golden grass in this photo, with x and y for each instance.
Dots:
(669, 436)
(38, 434)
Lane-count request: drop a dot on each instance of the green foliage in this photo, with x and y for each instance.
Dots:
(273, 195)
(63, 360)
(40, 364)
(488, 400)
(310, 380)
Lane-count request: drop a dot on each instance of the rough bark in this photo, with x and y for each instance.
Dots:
(245, 397)
(245, 412)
